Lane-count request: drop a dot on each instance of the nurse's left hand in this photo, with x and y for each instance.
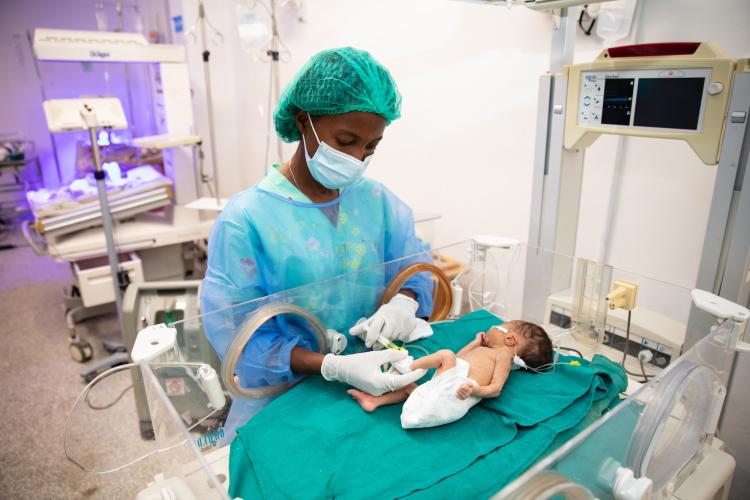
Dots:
(362, 370)
(395, 320)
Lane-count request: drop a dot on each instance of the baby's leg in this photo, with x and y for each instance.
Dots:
(442, 360)
(369, 403)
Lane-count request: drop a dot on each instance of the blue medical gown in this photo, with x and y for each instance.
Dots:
(271, 238)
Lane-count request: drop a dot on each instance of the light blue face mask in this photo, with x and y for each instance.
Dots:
(332, 168)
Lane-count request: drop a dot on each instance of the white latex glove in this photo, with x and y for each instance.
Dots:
(362, 370)
(394, 321)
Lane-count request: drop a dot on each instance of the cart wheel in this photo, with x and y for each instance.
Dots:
(80, 350)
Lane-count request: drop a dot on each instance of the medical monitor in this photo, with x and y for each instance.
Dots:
(668, 99)
(669, 91)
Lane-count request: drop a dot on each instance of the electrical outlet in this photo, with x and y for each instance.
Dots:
(623, 296)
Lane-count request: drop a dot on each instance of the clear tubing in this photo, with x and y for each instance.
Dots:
(83, 396)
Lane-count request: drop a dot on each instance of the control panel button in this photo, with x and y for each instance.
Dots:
(715, 88)
(738, 116)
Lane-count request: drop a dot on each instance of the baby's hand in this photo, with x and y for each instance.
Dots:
(480, 338)
(464, 391)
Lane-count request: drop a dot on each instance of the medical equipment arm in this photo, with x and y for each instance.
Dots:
(499, 376)
(362, 370)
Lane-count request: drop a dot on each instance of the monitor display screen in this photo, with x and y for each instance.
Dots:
(618, 99)
(668, 103)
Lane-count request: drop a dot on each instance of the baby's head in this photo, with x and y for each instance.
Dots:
(528, 340)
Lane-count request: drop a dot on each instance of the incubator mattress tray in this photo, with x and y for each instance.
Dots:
(75, 207)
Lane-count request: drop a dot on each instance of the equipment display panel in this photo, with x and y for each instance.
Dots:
(660, 90)
(666, 99)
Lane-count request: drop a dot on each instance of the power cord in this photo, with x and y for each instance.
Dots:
(641, 360)
(109, 405)
(643, 369)
(627, 341)
(570, 349)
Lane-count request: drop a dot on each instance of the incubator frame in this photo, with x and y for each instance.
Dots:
(190, 456)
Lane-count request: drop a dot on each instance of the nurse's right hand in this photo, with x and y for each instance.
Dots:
(362, 370)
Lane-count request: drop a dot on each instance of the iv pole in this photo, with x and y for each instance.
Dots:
(206, 54)
(274, 53)
(89, 117)
(94, 114)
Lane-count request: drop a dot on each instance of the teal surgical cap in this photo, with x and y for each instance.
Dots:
(337, 81)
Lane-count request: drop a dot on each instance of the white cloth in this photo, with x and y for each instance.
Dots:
(435, 402)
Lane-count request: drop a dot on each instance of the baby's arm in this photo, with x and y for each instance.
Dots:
(478, 341)
(499, 376)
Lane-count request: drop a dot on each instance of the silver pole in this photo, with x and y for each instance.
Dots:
(275, 63)
(209, 100)
(114, 265)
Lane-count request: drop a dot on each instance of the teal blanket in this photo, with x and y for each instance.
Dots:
(316, 442)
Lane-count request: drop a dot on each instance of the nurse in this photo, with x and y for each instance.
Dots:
(312, 218)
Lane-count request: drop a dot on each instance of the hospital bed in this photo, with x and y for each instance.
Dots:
(660, 439)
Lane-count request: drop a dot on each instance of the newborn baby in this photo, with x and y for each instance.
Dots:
(477, 371)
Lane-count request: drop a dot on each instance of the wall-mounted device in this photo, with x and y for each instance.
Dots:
(682, 94)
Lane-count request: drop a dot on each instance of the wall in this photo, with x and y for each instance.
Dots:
(464, 146)
(468, 75)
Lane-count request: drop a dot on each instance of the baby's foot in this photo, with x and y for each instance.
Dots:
(366, 401)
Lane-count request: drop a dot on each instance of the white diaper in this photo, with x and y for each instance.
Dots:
(435, 402)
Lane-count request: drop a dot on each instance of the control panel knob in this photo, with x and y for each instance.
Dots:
(715, 88)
